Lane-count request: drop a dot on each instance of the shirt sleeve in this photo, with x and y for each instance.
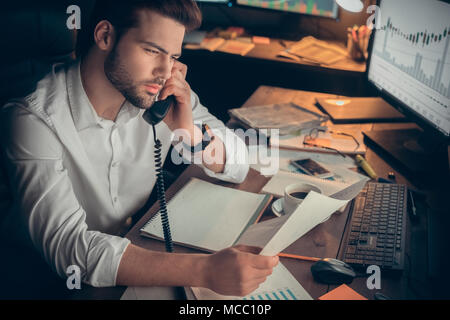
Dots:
(48, 209)
(236, 163)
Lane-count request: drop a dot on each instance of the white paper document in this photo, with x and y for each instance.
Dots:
(280, 285)
(315, 209)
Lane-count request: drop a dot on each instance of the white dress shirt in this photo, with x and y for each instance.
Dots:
(76, 177)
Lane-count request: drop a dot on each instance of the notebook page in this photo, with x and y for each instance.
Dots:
(207, 216)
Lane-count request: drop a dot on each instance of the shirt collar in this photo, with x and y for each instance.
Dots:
(83, 113)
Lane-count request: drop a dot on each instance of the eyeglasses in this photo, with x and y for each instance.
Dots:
(314, 134)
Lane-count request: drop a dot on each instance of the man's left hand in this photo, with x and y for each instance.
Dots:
(180, 114)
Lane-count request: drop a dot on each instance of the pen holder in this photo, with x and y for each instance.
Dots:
(358, 43)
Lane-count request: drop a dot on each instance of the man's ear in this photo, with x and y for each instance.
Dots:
(104, 35)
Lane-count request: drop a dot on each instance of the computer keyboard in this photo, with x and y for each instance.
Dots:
(377, 228)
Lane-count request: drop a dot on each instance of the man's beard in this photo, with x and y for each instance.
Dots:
(123, 82)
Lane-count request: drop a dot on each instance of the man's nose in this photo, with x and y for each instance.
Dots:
(164, 67)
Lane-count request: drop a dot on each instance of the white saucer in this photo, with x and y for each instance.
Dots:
(277, 207)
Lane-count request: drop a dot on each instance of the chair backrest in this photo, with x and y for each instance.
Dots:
(33, 36)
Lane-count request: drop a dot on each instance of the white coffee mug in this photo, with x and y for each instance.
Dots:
(290, 202)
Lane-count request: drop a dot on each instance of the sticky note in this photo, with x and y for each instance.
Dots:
(342, 292)
(261, 40)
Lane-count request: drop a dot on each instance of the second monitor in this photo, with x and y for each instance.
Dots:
(322, 8)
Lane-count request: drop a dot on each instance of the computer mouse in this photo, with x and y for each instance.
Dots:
(332, 271)
(380, 296)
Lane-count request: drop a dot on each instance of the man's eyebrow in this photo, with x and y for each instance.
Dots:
(152, 44)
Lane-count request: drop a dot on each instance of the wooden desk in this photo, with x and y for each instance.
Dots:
(322, 241)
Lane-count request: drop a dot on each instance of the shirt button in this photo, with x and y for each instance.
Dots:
(115, 199)
(115, 164)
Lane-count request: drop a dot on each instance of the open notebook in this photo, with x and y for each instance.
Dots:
(206, 216)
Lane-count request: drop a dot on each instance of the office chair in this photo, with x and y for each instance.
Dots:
(33, 36)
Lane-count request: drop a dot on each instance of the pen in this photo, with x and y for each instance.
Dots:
(294, 256)
(413, 205)
(361, 162)
(283, 43)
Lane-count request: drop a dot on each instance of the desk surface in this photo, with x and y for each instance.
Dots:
(322, 241)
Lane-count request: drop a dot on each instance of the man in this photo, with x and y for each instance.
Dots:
(80, 157)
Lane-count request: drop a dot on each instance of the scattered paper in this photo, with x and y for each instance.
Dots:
(317, 50)
(314, 209)
(212, 44)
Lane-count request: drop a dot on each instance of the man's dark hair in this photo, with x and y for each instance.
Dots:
(122, 14)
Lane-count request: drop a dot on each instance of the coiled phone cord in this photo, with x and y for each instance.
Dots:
(162, 194)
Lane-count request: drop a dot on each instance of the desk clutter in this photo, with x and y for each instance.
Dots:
(315, 179)
(358, 42)
(195, 225)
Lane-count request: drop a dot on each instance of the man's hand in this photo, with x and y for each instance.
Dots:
(238, 271)
(180, 115)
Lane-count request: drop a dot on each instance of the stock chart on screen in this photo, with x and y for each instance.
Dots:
(411, 57)
(324, 8)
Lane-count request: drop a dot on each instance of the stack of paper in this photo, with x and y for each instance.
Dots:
(287, 117)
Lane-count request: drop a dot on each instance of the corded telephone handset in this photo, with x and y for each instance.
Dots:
(153, 116)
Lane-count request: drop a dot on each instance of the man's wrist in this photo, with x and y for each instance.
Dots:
(202, 269)
(200, 138)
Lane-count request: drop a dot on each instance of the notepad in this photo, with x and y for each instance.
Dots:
(209, 217)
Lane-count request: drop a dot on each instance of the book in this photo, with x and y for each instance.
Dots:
(359, 110)
(317, 51)
(208, 217)
(236, 47)
(287, 117)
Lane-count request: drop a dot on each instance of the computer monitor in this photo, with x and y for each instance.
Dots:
(214, 1)
(322, 8)
(409, 65)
